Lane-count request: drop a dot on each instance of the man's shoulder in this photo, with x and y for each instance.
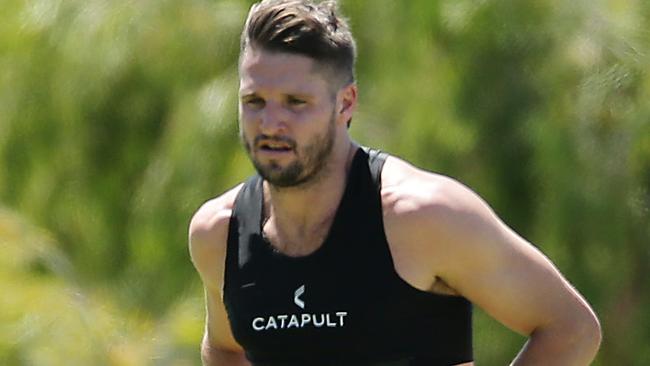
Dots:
(208, 232)
(432, 217)
(214, 213)
(422, 204)
(411, 191)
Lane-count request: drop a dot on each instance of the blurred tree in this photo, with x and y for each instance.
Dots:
(118, 119)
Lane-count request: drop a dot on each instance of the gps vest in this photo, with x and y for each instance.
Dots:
(343, 304)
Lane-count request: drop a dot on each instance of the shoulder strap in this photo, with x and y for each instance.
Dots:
(376, 160)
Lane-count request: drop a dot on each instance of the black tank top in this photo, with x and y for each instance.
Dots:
(343, 304)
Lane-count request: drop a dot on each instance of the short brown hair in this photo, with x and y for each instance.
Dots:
(303, 27)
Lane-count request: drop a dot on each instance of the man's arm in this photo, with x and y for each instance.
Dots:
(476, 254)
(515, 283)
(218, 347)
(207, 244)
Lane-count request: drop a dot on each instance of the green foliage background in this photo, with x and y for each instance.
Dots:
(118, 119)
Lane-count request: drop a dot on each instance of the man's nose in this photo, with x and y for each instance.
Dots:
(273, 119)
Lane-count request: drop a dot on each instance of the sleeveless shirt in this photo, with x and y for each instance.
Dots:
(343, 304)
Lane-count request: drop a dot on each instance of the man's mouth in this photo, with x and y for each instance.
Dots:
(275, 145)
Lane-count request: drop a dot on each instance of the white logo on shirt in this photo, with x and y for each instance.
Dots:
(303, 320)
(296, 296)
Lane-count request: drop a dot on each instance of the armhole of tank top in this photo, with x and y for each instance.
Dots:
(231, 262)
(376, 160)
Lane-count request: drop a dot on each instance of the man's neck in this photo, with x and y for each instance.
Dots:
(300, 212)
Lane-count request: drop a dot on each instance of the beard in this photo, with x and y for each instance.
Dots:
(309, 164)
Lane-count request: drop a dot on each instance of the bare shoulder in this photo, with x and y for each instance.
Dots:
(213, 215)
(208, 233)
(415, 194)
(433, 221)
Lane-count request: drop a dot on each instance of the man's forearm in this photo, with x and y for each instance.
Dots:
(558, 347)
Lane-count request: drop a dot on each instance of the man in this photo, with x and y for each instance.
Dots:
(338, 255)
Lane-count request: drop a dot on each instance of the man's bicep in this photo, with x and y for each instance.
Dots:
(208, 234)
(510, 279)
(496, 269)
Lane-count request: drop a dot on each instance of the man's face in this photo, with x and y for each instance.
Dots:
(287, 116)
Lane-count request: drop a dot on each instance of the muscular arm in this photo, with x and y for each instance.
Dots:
(207, 243)
(476, 254)
(520, 287)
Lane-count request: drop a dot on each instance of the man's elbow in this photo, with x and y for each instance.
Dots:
(586, 333)
(211, 356)
(208, 354)
(592, 331)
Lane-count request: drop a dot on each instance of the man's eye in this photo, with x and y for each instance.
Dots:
(296, 101)
(255, 102)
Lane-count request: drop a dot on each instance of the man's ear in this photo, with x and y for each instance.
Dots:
(346, 103)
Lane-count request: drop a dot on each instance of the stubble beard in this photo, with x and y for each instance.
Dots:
(308, 167)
